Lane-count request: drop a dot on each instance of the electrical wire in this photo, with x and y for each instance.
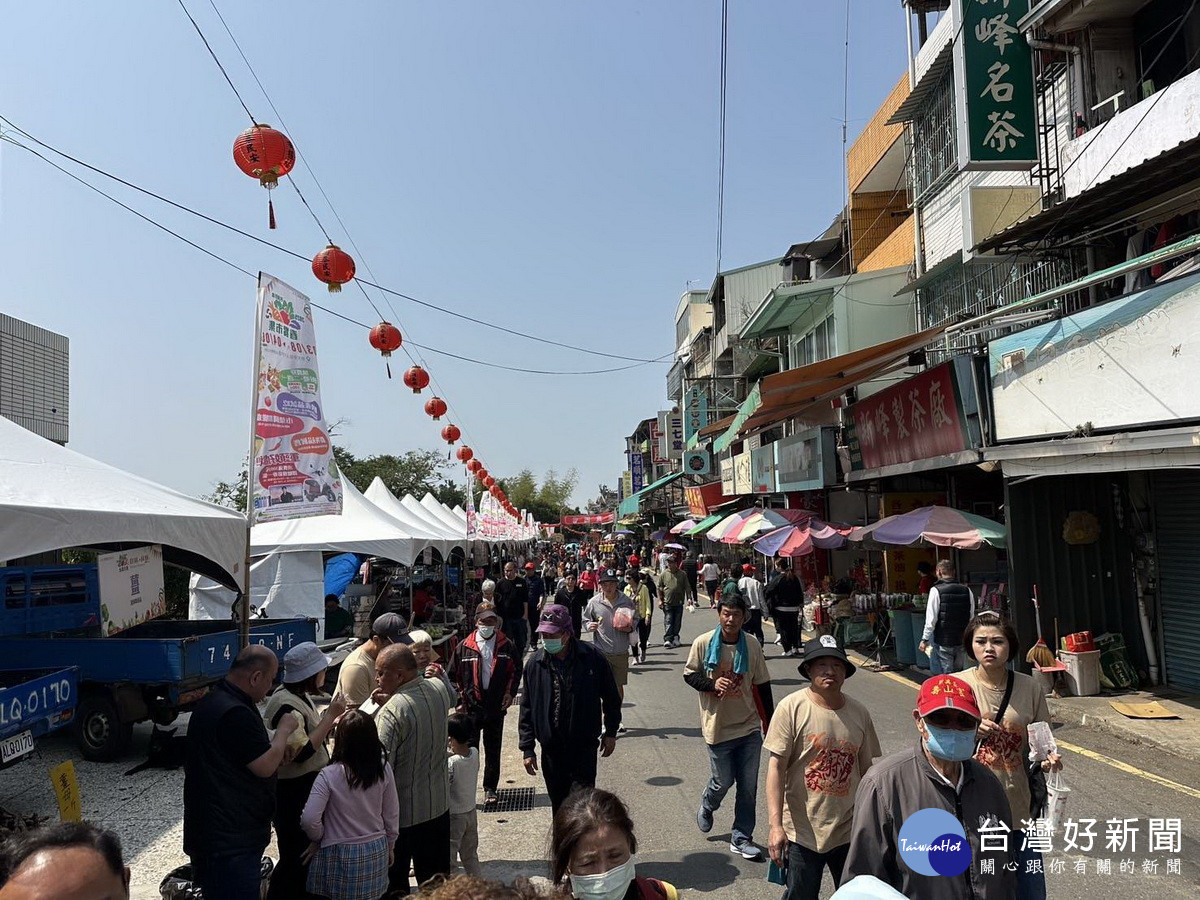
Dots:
(300, 256)
(211, 53)
(175, 234)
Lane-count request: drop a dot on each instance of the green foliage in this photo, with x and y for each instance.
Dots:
(415, 472)
(549, 501)
(230, 493)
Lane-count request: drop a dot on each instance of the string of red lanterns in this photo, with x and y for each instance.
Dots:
(268, 154)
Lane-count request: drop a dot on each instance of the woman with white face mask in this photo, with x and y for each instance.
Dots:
(592, 848)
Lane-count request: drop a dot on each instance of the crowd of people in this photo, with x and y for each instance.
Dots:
(381, 778)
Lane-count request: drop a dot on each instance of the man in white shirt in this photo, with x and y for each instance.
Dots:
(752, 590)
(951, 606)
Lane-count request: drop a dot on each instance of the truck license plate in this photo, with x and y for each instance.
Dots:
(16, 746)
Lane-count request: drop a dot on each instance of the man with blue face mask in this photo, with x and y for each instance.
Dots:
(936, 773)
(568, 697)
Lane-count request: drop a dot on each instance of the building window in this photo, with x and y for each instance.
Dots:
(935, 148)
(815, 346)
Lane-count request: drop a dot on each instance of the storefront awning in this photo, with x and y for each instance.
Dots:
(1131, 451)
(631, 504)
(797, 391)
(745, 411)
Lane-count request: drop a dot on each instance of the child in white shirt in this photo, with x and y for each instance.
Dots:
(464, 776)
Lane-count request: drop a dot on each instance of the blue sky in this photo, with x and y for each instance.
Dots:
(548, 165)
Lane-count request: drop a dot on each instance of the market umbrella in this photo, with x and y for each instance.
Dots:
(705, 524)
(729, 523)
(800, 540)
(762, 521)
(674, 547)
(658, 535)
(684, 526)
(941, 526)
(622, 531)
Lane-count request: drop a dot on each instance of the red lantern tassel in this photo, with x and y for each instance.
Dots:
(271, 213)
(389, 368)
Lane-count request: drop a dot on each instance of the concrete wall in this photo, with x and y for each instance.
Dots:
(35, 378)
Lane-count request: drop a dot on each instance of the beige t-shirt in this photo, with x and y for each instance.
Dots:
(1007, 753)
(734, 714)
(356, 680)
(826, 752)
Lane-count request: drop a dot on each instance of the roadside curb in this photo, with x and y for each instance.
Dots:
(1062, 710)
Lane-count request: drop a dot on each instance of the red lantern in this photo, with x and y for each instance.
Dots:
(266, 154)
(450, 434)
(489, 482)
(385, 337)
(474, 466)
(435, 407)
(464, 453)
(417, 379)
(334, 266)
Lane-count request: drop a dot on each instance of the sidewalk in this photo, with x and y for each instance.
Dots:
(1179, 737)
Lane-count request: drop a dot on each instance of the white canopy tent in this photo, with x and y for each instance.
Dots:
(52, 497)
(444, 515)
(459, 538)
(432, 535)
(361, 528)
(284, 585)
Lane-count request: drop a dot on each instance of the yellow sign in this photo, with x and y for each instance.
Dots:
(66, 788)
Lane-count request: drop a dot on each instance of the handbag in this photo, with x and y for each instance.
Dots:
(1038, 792)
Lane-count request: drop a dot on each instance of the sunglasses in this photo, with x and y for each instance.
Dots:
(954, 721)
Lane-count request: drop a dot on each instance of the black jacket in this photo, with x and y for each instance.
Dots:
(594, 696)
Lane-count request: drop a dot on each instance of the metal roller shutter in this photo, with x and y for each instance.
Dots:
(1177, 533)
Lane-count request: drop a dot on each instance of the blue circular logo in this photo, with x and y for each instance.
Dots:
(933, 842)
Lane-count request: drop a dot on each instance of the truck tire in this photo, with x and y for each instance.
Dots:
(101, 734)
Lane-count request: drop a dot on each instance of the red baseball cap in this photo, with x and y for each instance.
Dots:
(634, 560)
(530, 565)
(947, 692)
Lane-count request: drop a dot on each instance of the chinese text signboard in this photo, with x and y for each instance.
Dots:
(674, 435)
(997, 120)
(695, 412)
(804, 461)
(920, 418)
(637, 472)
(131, 587)
(727, 476)
(762, 469)
(292, 474)
(658, 442)
(703, 499)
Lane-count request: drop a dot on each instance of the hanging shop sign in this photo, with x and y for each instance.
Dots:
(993, 80)
(805, 460)
(1122, 364)
(762, 470)
(673, 434)
(626, 484)
(703, 499)
(697, 462)
(695, 412)
(597, 519)
(919, 418)
(637, 472)
(727, 476)
(131, 587)
(292, 471)
(658, 442)
(743, 473)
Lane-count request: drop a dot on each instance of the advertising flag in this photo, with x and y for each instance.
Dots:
(292, 471)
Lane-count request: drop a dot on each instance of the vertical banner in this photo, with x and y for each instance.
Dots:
(997, 119)
(637, 472)
(292, 471)
(472, 519)
(695, 407)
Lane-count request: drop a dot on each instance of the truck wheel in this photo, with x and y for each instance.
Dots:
(101, 734)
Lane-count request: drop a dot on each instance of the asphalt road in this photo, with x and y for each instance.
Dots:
(660, 768)
(661, 765)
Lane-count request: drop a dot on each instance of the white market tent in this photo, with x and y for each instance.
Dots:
(413, 505)
(52, 498)
(361, 528)
(444, 514)
(431, 535)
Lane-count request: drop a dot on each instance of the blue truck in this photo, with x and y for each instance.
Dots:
(50, 620)
(33, 704)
